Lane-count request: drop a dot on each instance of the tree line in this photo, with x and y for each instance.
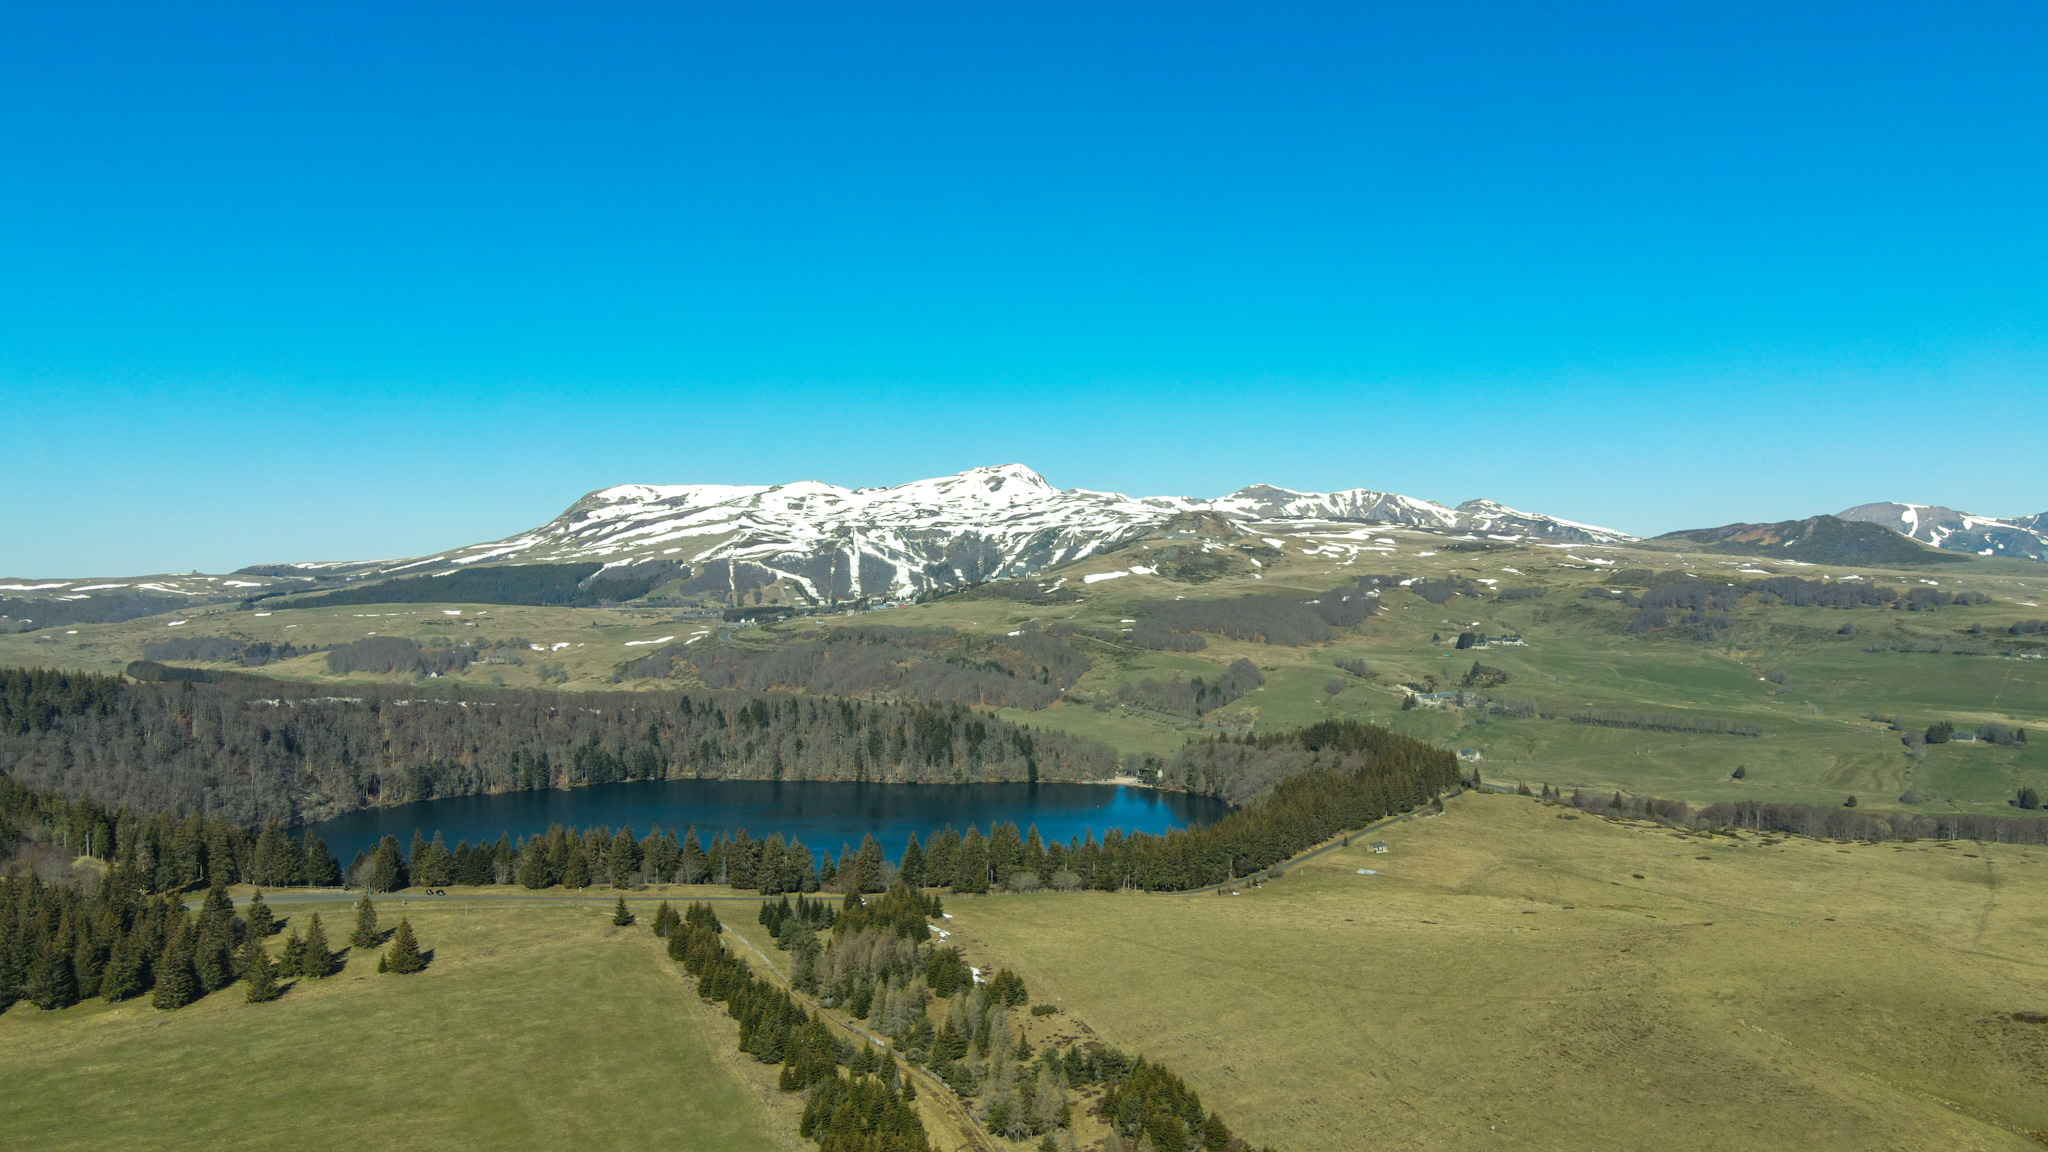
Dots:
(1827, 822)
(1195, 695)
(163, 851)
(254, 751)
(1663, 722)
(878, 965)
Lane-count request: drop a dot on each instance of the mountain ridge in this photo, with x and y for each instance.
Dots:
(981, 524)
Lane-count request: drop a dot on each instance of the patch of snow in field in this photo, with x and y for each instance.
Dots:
(559, 647)
(1425, 553)
(1099, 577)
(1272, 543)
(72, 632)
(263, 613)
(1935, 583)
(237, 584)
(640, 643)
(174, 623)
(451, 611)
(1489, 581)
(104, 587)
(1408, 581)
(538, 647)
(1516, 571)
(36, 587)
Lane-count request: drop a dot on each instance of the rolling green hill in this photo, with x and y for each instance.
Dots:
(1637, 666)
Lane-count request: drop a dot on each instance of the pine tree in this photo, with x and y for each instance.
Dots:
(912, 867)
(403, 957)
(127, 968)
(576, 873)
(664, 919)
(621, 915)
(319, 959)
(321, 870)
(176, 985)
(366, 934)
(213, 958)
(53, 983)
(293, 961)
(258, 971)
(262, 925)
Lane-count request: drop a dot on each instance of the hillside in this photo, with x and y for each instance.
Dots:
(1814, 540)
(1817, 681)
(2020, 537)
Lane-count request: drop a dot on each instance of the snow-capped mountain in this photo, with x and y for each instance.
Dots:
(837, 542)
(2024, 537)
(984, 523)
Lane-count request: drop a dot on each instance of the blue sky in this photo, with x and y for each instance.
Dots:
(349, 281)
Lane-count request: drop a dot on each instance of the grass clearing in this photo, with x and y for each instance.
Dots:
(536, 1026)
(1509, 978)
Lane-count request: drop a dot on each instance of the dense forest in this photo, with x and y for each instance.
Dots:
(1028, 670)
(536, 584)
(250, 751)
(1265, 619)
(1195, 695)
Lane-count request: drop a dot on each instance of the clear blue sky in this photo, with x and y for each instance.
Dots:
(336, 281)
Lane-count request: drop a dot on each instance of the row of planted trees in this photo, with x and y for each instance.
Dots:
(875, 961)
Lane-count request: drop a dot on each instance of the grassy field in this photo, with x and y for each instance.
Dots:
(1516, 975)
(1518, 978)
(537, 1026)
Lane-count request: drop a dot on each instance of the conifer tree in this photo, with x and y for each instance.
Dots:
(53, 983)
(261, 924)
(695, 865)
(319, 959)
(622, 916)
(293, 960)
(259, 972)
(576, 873)
(321, 869)
(127, 968)
(869, 863)
(403, 957)
(176, 986)
(213, 958)
(912, 867)
(664, 919)
(366, 934)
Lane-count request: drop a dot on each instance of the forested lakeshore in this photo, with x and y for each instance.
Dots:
(1309, 786)
(256, 751)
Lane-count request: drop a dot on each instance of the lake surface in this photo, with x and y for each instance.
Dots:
(824, 815)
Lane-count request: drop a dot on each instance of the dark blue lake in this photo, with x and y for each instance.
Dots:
(823, 815)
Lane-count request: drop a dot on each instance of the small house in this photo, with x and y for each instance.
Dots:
(1379, 846)
(1469, 754)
